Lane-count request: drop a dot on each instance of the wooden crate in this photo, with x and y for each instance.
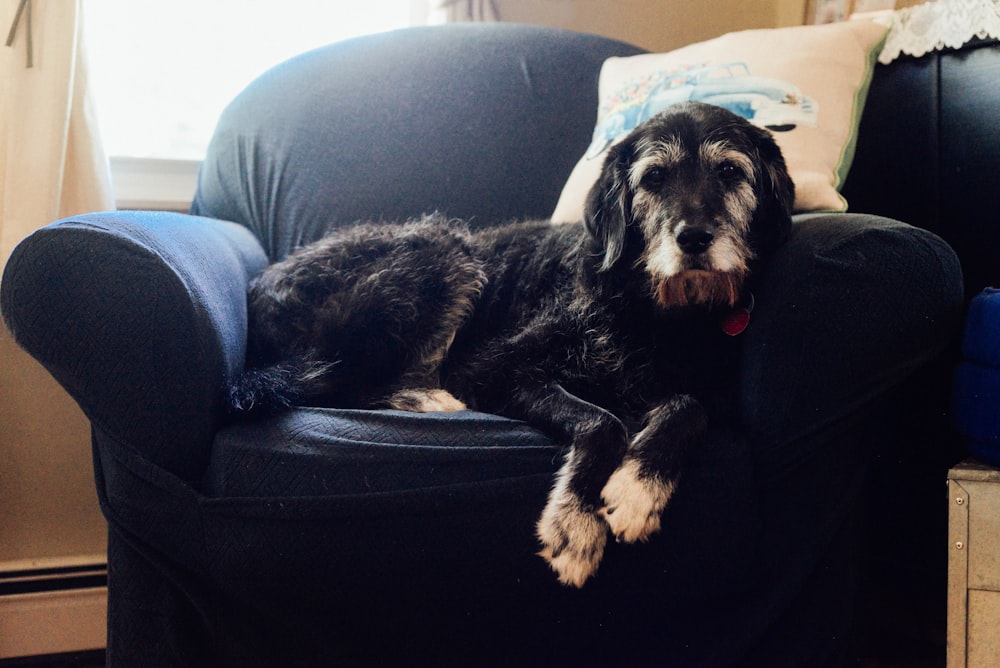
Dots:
(974, 565)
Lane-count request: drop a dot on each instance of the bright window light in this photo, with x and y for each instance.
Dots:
(163, 70)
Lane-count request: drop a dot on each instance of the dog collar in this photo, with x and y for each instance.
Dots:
(737, 320)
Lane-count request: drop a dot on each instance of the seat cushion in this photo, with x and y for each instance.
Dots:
(317, 451)
(418, 481)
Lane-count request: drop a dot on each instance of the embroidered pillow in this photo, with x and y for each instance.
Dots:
(807, 84)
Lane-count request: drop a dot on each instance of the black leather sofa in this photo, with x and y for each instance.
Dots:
(327, 537)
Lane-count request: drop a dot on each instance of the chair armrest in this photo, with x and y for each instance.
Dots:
(851, 305)
(141, 316)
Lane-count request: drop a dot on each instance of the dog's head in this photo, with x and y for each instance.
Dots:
(696, 197)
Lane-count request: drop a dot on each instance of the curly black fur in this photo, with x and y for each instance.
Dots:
(601, 334)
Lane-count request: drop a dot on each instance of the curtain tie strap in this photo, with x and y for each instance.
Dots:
(25, 5)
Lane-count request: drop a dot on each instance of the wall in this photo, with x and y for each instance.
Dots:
(656, 25)
(49, 515)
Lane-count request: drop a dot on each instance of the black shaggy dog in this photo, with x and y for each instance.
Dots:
(611, 336)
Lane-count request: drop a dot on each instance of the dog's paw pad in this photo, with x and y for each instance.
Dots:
(444, 401)
(634, 503)
(573, 541)
(425, 401)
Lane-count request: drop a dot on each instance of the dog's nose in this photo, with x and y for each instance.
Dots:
(693, 239)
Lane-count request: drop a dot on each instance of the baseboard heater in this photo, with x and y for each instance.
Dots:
(53, 608)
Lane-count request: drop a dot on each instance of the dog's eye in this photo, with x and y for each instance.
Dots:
(729, 171)
(654, 178)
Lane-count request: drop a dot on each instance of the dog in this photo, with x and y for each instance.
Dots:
(613, 336)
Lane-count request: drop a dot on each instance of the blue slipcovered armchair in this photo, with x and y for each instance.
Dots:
(337, 537)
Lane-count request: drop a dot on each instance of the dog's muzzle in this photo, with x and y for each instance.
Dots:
(699, 281)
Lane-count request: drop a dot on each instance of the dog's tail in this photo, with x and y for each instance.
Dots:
(276, 388)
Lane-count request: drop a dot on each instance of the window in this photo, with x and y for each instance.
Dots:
(163, 71)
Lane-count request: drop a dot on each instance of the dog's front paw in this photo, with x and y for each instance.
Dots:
(572, 539)
(634, 502)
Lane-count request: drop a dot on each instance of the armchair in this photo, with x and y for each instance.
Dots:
(338, 537)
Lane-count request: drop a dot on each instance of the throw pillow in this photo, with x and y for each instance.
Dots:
(806, 83)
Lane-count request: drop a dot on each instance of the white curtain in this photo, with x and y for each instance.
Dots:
(461, 11)
(51, 166)
(51, 161)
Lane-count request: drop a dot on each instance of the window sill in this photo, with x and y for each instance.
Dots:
(153, 183)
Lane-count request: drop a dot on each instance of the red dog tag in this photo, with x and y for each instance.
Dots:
(737, 321)
(734, 323)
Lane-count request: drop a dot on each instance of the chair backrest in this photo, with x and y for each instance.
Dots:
(477, 121)
(932, 161)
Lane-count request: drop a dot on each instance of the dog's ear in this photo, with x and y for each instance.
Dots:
(776, 196)
(609, 205)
